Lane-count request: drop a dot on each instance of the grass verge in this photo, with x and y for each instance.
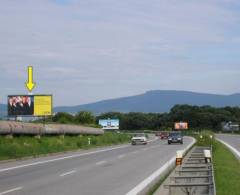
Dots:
(227, 170)
(26, 146)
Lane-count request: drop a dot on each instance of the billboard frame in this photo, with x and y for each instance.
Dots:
(51, 95)
(110, 120)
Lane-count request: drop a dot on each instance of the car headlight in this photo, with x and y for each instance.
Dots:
(179, 138)
(169, 138)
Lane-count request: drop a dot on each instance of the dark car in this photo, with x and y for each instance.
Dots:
(175, 137)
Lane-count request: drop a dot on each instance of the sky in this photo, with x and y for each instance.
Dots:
(84, 51)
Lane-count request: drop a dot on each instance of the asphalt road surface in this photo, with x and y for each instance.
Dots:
(105, 171)
(232, 140)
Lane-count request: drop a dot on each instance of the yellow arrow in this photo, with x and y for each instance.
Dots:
(30, 84)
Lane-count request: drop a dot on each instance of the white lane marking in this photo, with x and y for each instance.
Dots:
(144, 184)
(147, 181)
(62, 158)
(121, 156)
(135, 152)
(234, 150)
(67, 173)
(12, 190)
(101, 162)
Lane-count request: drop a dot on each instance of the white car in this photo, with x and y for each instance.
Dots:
(139, 138)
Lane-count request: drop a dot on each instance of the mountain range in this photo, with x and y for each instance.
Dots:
(155, 101)
(151, 101)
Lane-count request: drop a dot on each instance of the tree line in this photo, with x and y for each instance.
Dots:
(198, 117)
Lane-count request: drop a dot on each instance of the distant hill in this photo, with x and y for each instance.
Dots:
(155, 101)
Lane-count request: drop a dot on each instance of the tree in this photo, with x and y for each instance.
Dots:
(85, 117)
(62, 117)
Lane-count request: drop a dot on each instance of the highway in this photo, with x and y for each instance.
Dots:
(112, 170)
(232, 140)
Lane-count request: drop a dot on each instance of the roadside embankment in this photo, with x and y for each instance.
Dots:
(25, 146)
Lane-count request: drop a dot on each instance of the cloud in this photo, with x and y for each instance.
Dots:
(92, 50)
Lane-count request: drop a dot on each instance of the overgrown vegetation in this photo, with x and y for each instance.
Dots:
(23, 146)
(204, 117)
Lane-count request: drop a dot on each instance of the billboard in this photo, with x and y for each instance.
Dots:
(109, 123)
(181, 126)
(29, 105)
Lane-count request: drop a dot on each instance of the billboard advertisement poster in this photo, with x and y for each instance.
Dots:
(42, 105)
(29, 105)
(181, 126)
(110, 124)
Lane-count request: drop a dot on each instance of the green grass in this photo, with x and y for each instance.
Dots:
(227, 170)
(24, 146)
